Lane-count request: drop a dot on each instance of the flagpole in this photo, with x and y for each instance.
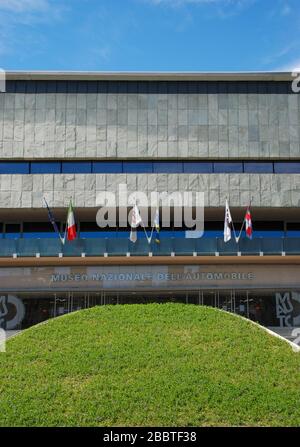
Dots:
(143, 225)
(151, 234)
(64, 239)
(52, 220)
(146, 234)
(152, 229)
(239, 236)
(236, 240)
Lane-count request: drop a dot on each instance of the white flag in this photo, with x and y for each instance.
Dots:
(136, 220)
(227, 223)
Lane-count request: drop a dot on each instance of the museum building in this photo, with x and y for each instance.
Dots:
(72, 135)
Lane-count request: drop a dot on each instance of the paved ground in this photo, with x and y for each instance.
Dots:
(290, 333)
(11, 333)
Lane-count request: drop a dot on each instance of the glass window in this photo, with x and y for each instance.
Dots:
(293, 229)
(268, 229)
(90, 234)
(110, 167)
(12, 231)
(121, 234)
(257, 167)
(286, 167)
(61, 86)
(272, 225)
(293, 233)
(39, 235)
(195, 167)
(227, 167)
(45, 167)
(100, 234)
(178, 234)
(213, 229)
(137, 166)
(165, 167)
(89, 226)
(91, 230)
(33, 230)
(213, 233)
(14, 167)
(76, 167)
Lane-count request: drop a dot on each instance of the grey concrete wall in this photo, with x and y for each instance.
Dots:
(149, 125)
(266, 190)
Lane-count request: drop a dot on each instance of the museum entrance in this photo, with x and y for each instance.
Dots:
(266, 307)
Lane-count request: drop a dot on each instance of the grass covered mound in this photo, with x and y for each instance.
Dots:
(155, 364)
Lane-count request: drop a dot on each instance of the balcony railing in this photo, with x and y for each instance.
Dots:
(167, 247)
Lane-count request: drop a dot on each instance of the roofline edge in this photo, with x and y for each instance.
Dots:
(149, 76)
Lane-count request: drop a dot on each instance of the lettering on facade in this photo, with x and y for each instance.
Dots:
(6, 302)
(285, 308)
(157, 276)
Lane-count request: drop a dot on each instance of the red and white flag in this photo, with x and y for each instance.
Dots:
(248, 220)
(71, 226)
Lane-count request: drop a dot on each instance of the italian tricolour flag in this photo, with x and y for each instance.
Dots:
(71, 226)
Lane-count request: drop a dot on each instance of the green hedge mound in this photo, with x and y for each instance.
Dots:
(149, 365)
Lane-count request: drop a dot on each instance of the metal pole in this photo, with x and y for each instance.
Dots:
(247, 295)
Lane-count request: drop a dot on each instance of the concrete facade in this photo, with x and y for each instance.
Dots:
(67, 125)
(140, 126)
(266, 190)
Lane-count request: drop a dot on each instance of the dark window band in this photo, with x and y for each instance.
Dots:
(88, 229)
(177, 87)
(149, 167)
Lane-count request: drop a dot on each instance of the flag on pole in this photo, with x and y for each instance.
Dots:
(136, 220)
(52, 220)
(157, 226)
(248, 220)
(71, 226)
(227, 223)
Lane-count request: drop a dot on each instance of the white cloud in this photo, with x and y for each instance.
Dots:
(286, 10)
(102, 53)
(28, 12)
(19, 20)
(281, 53)
(223, 8)
(235, 3)
(293, 66)
(20, 6)
(280, 9)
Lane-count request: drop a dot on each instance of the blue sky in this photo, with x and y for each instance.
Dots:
(140, 35)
